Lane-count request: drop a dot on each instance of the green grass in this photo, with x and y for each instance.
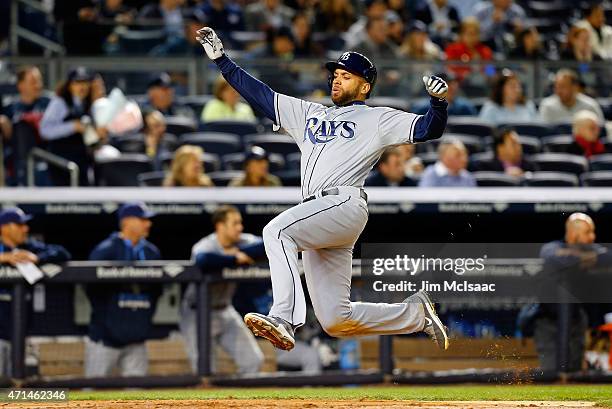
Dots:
(601, 394)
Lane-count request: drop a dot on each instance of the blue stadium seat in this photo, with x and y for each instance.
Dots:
(557, 143)
(601, 162)
(293, 160)
(195, 102)
(599, 179)
(477, 159)
(552, 179)
(428, 158)
(178, 125)
(213, 142)
(240, 128)
(530, 144)
(289, 177)
(122, 171)
(473, 144)
(275, 143)
(140, 42)
(151, 179)
(495, 179)
(561, 162)
(235, 161)
(469, 126)
(135, 143)
(532, 128)
(223, 178)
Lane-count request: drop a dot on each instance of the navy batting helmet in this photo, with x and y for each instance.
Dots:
(356, 63)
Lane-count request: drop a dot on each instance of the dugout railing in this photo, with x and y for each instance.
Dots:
(183, 272)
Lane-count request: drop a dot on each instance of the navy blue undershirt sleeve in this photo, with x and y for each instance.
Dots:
(432, 124)
(254, 250)
(258, 94)
(211, 261)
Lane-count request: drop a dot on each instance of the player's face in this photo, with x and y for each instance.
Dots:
(347, 87)
(137, 227)
(16, 233)
(231, 228)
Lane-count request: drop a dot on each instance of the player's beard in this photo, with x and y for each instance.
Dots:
(345, 96)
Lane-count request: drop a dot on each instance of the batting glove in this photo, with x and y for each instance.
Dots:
(211, 43)
(436, 86)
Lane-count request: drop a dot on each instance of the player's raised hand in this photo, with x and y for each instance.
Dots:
(211, 43)
(435, 86)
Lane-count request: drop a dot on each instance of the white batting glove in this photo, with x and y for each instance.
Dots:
(211, 43)
(435, 86)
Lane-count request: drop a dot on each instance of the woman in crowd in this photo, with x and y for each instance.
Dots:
(226, 105)
(508, 103)
(187, 169)
(417, 45)
(578, 46)
(64, 124)
(528, 45)
(469, 47)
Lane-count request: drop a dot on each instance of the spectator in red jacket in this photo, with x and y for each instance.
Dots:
(469, 47)
(586, 130)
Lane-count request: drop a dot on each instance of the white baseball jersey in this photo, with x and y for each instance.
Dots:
(340, 145)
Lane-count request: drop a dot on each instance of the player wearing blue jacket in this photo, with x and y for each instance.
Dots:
(121, 314)
(339, 145)
(16, 247)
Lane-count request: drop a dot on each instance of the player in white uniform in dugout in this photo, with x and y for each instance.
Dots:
(339, 146)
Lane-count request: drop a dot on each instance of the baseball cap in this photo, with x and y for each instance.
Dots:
(416, 25)
(135, 209)
(80, 74)
(256, 152)
(161, 80)
(14, 215)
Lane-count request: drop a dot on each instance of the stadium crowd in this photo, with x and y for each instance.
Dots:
(507, 140)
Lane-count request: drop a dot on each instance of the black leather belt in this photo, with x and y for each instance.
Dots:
(335, 191)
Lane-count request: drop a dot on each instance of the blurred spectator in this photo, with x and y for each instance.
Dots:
(302, 37)
(334, 16)
(441, 18)
(402, 9)
(390, 171)
(600, 34)
(586, 131)
(418, 46)
(114, 11)
(457, 104)
(576, 253)
(567, 100)
(187, 44)
(161, 98)
(497, 18)
(17, 248)
(508, 155)
(376, 43)
(226, 105)
(395, 28)
(508, 103)
(256, 171)
(155, 147)
(578, 47)
(168, 13)
(226, 247)
(223, 16)
(26, 111)
(267, 14)
(122, 314)
(450, 169)
(375, 9)
(528, 45)
(469, 47)
(79, 32)
(187, 169)
(413, 165)
(64, 123)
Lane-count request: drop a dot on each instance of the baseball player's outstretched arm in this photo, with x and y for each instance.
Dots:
(258, 94)
(432, 124)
